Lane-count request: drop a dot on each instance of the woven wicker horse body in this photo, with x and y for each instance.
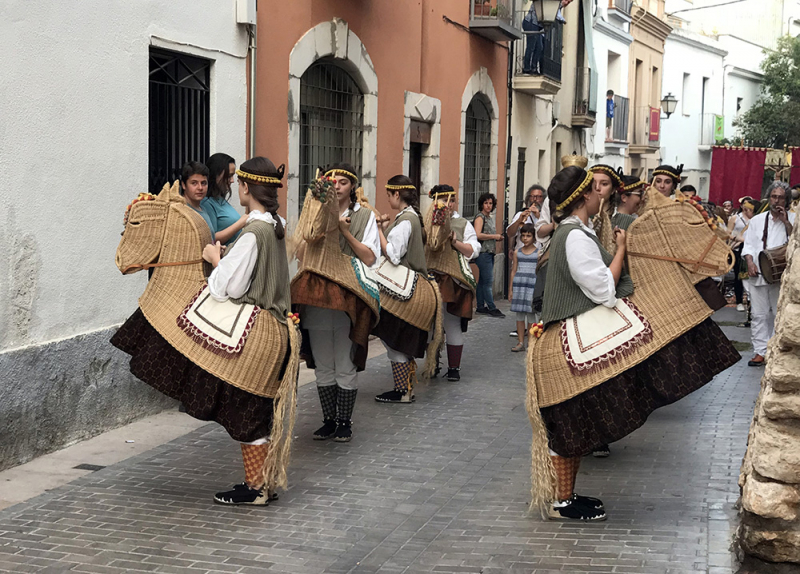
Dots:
(167, 230)
(670, 248)
(439, 252)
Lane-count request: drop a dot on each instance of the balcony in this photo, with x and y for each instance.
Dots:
(537, 61)
(711, 131)
(494, 20)
(617, 134)
(582, 115)
(646, 132)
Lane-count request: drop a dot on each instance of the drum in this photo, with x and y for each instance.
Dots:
(772, 263)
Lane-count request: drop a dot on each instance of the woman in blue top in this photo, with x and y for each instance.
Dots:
(226, 222)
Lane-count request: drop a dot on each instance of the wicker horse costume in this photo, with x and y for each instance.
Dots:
(587, 387)
(249, 386)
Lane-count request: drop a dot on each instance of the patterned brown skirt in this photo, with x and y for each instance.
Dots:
(621, 405)
(311, 289)
(246, 417)
(459, 300)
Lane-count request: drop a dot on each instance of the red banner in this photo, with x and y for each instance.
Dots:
(655, 124)
(736, 173)
(794, 178)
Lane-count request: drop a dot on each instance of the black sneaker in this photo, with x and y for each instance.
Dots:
(395, 397)
(601, 452)
(588, 501)
(482, 310)
(343, 432)
(243, 494)
(327, 430)
(496, 313)
(453, 374)
(573, 510)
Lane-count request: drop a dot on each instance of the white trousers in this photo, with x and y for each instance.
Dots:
(332, 348)
(763, 306)
(452, 328)
(396, 356)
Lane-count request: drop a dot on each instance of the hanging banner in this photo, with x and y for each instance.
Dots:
(655, 124)
(719, 128)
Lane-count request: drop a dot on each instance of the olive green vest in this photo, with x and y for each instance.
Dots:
(414, 258)
(458, 224)
(358, 224)
(563, 297)
(269, 286)
(622, 220)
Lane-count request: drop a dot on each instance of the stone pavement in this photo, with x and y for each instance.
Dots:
(437, 486)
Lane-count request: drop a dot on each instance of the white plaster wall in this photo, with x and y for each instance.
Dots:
(74, 148)
(757, 21)
(681, 133)
(530, 128)
(738, 86)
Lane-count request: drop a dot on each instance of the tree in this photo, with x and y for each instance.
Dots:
(774, 120)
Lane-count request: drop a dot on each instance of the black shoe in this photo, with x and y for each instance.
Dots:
(395, 397)
(454, 374)
(343, 432)
(588, 502)
(601, 452)
(327, 430)
(496, 313)
(243, 494)
(574, 510)
(482, 310)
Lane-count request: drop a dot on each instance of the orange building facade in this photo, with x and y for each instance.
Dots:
(390, 87)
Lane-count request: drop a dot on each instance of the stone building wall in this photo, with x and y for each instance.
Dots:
(770, 475)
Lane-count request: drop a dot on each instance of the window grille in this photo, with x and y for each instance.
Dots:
(331, 121)
(179, 114)
(477, 155)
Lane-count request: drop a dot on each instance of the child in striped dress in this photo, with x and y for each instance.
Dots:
(523, 280)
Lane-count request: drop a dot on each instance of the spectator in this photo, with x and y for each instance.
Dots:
(737, 225)
(226, 222)
(523, 280)
(533, 204)
(488, 236)
(610, 105)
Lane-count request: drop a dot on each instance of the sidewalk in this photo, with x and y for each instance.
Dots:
(437, 486)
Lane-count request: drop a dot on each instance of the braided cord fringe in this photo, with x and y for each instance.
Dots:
(283, 418)
(438, 335)
(543, 474)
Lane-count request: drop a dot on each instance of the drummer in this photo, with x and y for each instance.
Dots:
(766, 231)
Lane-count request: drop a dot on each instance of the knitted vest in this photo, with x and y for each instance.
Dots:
(562, 296)
(622, 220)
(414, 258)
(458, 224)
(269, 286)
(358, 224)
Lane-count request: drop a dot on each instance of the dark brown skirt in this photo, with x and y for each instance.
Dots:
(312, 289)
(458, 299)
(401, 336)
(246, 417)
(621, 405)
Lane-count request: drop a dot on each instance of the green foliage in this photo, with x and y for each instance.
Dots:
(774, 120)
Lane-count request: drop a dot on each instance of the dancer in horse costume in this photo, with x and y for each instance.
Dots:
(450, 245)
(226, 347)
(337, 310)
(618, 342)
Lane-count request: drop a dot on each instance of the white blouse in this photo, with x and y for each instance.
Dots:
(371, 238)
(231, 278)
(398, 238)
(586, 266)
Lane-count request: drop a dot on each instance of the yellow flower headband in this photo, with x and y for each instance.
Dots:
(665, 172)
(634, 185)
(575, 194)
(399, 187)
(258, 178)
(344, 172)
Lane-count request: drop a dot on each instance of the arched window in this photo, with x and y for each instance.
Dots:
(331, 121)
(477, 155)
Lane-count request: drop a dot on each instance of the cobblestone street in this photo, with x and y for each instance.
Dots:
(437, 486)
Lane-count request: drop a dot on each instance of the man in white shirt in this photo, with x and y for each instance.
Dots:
(766, 231)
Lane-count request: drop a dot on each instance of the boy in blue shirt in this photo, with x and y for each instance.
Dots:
(609, 113)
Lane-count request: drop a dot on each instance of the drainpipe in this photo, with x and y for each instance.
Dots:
(251, 144)
(509, 145)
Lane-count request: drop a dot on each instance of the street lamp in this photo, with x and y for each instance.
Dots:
(546, 10)
(668, 104)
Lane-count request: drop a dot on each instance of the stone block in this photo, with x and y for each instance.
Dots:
(788, 328)
(783, 371)
(772, 545)
(770, 499)
(778, 405)
(776, 451)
